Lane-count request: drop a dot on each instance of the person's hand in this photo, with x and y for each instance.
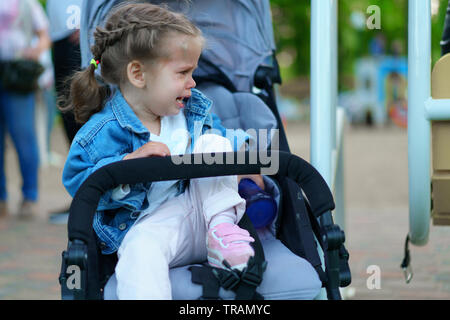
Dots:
(257, 178)
(74, 38)
(150, 149)
(32, 53)
(44, 42)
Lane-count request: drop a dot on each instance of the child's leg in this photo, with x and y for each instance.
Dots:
(218, 197)
(218, 200)
(146, 252)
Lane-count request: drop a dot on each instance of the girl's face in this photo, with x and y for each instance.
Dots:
(169, 81)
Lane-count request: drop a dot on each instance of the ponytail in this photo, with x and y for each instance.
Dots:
(86, 95)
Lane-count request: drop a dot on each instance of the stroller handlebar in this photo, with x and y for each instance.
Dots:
(190, 166)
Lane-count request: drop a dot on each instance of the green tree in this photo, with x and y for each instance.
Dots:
(291, 20)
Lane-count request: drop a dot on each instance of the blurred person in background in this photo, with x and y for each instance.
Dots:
(64, 19)
(46, 107)
(20, 22)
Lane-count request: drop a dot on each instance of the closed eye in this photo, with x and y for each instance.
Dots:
(187, 70)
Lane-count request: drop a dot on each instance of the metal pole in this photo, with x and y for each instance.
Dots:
(419, 69)
(323, 90)
(322, 94)
(338, 178)
(437, 109)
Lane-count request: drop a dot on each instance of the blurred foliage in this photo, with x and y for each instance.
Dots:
(292, 18)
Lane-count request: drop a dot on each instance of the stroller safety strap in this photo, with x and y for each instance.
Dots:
(244, 283)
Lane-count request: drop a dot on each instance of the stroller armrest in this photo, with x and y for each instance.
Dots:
(153, 169)
(316, 189)
(192, 166)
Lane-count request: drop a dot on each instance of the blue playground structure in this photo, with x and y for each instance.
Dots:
(380, 91)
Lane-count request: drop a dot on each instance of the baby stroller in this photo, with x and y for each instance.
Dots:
(237, 71)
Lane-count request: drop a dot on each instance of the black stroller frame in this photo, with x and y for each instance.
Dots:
(83, 252)
(306, 208)
(304, 220)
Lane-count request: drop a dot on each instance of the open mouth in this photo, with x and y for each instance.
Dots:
(181, 101)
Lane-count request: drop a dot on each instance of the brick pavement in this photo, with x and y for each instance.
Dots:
(30, 259)
(376, 223)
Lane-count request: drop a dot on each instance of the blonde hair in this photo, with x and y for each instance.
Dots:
(133, 31)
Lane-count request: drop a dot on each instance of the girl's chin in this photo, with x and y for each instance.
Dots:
(174, 112)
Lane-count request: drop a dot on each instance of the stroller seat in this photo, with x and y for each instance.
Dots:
(287, 277)
(294, 270)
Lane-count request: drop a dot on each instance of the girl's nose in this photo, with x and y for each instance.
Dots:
(191, 83)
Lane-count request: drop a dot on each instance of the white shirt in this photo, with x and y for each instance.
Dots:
(175, 135)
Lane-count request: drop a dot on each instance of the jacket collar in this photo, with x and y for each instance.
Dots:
(198, 103)
(125, 115)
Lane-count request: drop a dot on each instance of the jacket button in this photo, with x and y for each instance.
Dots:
(122, 226)
(134, 215)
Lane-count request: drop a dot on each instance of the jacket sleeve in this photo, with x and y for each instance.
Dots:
(79, 167)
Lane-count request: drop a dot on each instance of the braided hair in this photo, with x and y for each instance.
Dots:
(133, 31)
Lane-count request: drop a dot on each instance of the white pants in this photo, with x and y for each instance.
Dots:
(175, 233)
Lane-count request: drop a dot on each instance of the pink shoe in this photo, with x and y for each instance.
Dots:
(228, 242)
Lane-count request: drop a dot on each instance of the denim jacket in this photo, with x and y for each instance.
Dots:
(111, 134)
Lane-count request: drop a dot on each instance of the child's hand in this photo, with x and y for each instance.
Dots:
(257, 178)
(150, 149)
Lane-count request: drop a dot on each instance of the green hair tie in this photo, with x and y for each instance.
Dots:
(95, 63)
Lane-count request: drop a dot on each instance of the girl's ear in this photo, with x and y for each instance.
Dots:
(135, 74)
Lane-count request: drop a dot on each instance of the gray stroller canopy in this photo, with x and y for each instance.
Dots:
(239, 33)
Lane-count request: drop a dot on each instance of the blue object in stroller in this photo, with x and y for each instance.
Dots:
(239, 59)
(261, 207)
